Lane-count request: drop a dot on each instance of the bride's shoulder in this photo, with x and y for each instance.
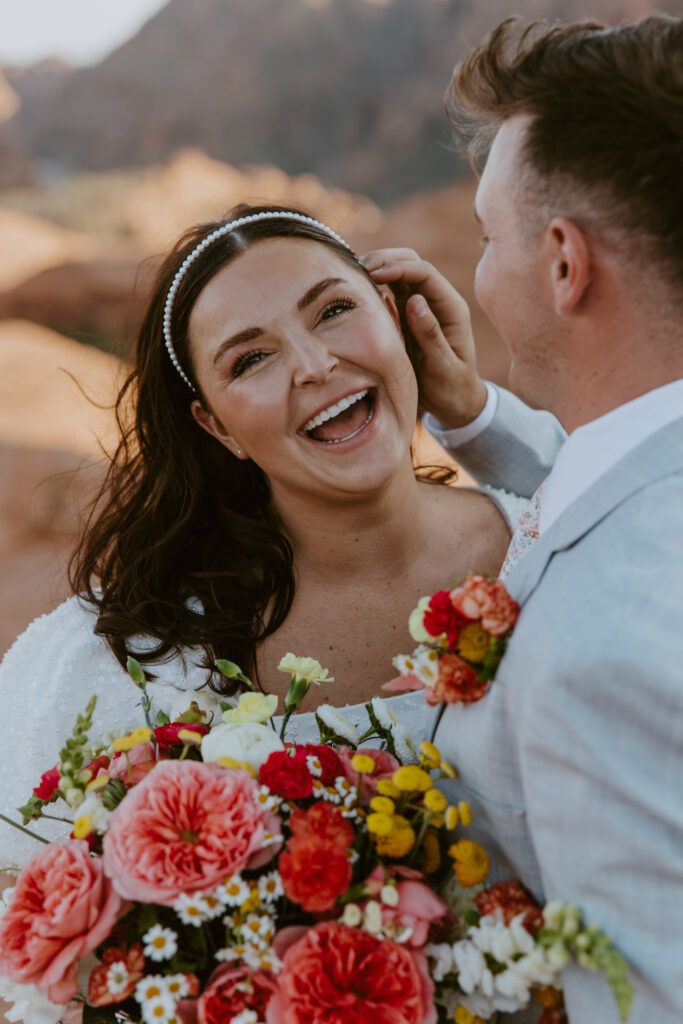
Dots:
(70, 623)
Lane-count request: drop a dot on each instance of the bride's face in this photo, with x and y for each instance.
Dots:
(303, 369)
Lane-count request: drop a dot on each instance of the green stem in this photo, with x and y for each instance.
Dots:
(28, 832)
(285, 720)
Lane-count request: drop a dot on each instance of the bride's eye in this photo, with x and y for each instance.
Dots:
(336, 308)
(246, 361)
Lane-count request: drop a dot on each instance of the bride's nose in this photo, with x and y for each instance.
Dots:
(312, 362)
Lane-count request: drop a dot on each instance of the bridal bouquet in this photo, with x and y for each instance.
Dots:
(217, 874)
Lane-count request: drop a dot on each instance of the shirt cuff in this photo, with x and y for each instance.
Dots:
(461, 435)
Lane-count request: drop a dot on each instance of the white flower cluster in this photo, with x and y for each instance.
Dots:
(337, 723)
(341, 793)
(526, 965)
(371, 919)
(253, 929)
(158, 994)
(405, 748)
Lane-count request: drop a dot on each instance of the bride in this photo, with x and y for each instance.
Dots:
(262, 499)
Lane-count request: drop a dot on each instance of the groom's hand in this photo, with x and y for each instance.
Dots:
(450, 386)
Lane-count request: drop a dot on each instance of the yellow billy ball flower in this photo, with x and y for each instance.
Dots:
(82, 826)
(142, 734)
(385, 787)
(448, 770)
(362, 763)
(432, 852)
(452, 817)
(228, 762)
(409, 778)
(383, 805)
(400, 840)
(430, 755)
(471, 862)
(463, 1016)
(435, 801)
(437, 821)
(380, 824)
(189, 736)
(465, 812)
(473, 643)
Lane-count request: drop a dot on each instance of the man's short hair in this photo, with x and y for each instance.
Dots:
(606, 130)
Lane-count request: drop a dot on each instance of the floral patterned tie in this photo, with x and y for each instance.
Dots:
(526, 532)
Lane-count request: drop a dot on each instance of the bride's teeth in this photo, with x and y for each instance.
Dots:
(334, 410)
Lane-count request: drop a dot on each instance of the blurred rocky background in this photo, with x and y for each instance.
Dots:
(334, 105)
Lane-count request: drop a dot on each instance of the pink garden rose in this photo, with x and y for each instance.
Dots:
(63, 906)
(385, 766)
(488, 600)
(338, 974)
(185, 828)
(418, 906)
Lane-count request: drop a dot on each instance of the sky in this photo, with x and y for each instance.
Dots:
(77, 31)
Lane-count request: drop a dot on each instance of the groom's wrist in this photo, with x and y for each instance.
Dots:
(453, 437)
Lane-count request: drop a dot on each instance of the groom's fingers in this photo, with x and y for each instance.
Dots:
(404, 266)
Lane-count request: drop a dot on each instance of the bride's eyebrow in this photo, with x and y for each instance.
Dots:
(317, 289)
(250, 333)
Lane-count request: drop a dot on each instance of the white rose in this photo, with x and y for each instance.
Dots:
(31, 1005)
(415, 622)
(242, 741)
(206, 701)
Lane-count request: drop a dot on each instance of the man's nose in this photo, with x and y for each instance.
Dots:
(312, 362)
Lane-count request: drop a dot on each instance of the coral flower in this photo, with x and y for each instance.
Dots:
(63, 906)
(385, 766)
(131, 963)
(344, 975)
(185, 828)
(457, 682)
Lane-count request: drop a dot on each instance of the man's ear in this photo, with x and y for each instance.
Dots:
(208, 422)
(571, 267)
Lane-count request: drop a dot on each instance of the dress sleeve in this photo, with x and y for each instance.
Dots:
(46, 679)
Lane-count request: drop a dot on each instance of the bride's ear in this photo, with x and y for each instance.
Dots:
(390, 303)
(208, 422)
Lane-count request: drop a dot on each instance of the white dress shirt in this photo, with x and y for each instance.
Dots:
(590, 450)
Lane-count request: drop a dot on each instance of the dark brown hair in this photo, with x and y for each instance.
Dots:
(181, 545)
(607, 121)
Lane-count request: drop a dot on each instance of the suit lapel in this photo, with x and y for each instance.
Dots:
(657, 456)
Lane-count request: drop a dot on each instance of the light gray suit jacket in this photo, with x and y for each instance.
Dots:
(573, 762)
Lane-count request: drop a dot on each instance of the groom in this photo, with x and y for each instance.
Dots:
(573, 762)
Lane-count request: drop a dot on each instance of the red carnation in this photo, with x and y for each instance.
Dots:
(329, 761)
(315, 868)
(442, 617)
(512, 899)
(49, 783)
(324, 821)
(165, 735)
(287, 776)
(457, 682)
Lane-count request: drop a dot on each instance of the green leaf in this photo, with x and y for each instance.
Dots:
(161, 719)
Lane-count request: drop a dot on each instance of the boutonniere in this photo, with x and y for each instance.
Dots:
(462, 635)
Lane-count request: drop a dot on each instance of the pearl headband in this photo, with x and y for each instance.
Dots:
(203, 245)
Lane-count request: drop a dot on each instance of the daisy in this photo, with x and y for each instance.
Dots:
(160, 943)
